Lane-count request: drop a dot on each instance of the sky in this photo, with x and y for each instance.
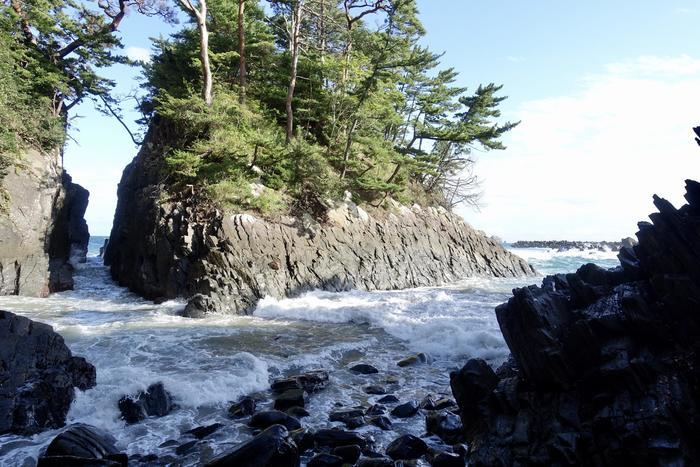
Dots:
(606, 92)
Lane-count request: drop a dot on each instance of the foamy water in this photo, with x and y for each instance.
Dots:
(208, 363)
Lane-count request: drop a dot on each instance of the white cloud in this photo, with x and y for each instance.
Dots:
(138, 54)
(585, 166)
(515, 59)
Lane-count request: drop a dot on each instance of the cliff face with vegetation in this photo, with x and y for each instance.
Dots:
(42, 227)
(224, 261)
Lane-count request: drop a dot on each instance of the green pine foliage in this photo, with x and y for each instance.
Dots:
(373, 112)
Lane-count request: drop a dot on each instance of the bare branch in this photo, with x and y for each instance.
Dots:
(119, 119)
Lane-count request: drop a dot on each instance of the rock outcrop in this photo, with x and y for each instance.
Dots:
(604, 367)
(38, 375)
(43, 228)
(163, 248)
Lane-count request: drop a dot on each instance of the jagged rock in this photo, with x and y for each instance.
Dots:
(374, 390)
(179, 246)
(353, 418)
(604, 367)
(334, 438)
(267, 418)
(405, 410)
(390, 399)
(446, 425)
(82, 445)
(364, 369)
(271, 448)
(186, 448)
(381, 421)
(243, 408)
(311, 381)
(433, 403)
(290, 398)
(376, 462)
(153, 402)
(376, 409)
(407, 447)
(298, 412)
(38, 374)
(303, 438)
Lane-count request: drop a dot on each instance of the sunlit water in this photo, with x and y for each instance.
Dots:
(208, 363)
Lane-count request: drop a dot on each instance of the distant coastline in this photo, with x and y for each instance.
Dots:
(565, 245)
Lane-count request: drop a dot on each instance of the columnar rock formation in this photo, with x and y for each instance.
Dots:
(604, 367)
(223, 261)
(38, 375)
(44, 223)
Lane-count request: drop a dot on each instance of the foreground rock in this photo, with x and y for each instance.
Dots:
(153, 402)
(41, 226)
(38, 375)
(82, 445)
(164, 247)
(271, 448)
(604, 367)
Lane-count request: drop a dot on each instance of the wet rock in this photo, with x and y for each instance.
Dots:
(381, 421)
(303, 438)
(390, 399)
(335, 437)
(349, 454)
(407, 447)
(169, 443)
(376, 409)
(311, 381)
(375, 390)
(154, 402)
(202, 432)
(446, 459)
(268, 418)
(364, 369)
(186, 448)
(352, 418)
(405, 410)
(326, 460)
(243, 408)
(38, 375)
(376, 462)
(290, 398)
(413, 360)
(271, 448)
(446, 425)
(82, 445)
(604, 367)
(298, 412)
(433, 403)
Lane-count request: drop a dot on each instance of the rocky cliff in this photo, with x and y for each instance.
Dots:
(605, 367)
(163, 248)
(43, 228)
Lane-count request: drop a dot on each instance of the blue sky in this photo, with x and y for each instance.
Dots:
(607, 93)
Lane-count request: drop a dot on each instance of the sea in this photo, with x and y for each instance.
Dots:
(209, 363)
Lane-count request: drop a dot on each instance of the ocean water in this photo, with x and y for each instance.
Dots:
(206, 364)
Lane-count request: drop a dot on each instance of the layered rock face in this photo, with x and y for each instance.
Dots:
(44, 223)
(38, 375)
(226, 262)
(604, 367)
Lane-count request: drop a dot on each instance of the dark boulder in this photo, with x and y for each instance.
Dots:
(290, 398)
(311, 381)
(376, 409)
(604, 367)
(271, 448)
(303, 438)
(267, 418)
(352, 418)
(375, 390)
(202, 432)
(38, 375)
(446, 459)
(297, 412)
(405, 410)
(334, 438)
(153, 402)
(433, 403)
(376, 462)
(243, 408)
(413, 360)
(349, 454)
(390, 399)
(82, 445)
(446, 425)
(364, 369)
(381, 421)
(407, 447)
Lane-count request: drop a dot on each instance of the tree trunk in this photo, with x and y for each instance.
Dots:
(204, 52)
(294, 48)
(241, 51)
